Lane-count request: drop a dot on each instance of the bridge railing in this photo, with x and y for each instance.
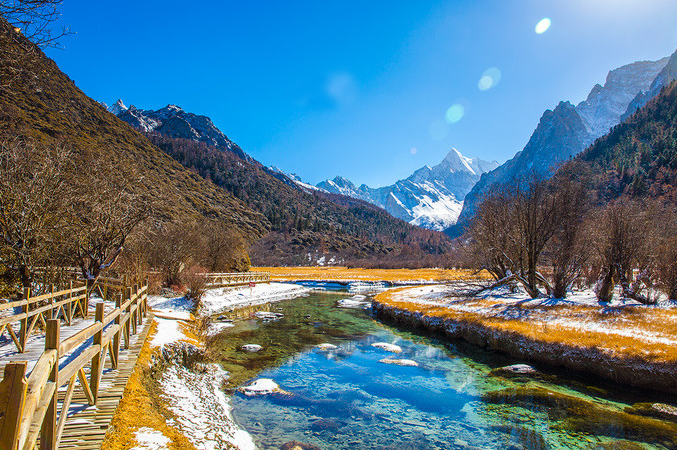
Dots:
(28, 311)
(216, 280)
(30, 401)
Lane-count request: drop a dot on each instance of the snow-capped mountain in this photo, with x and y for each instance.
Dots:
(176, 123)
(568, 130)
(432, 197)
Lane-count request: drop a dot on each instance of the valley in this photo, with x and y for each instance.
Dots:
(408, 225)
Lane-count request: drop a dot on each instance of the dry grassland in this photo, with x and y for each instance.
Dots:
(344, 274)
(647, 333)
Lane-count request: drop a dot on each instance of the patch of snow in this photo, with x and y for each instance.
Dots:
(356, 302)
(251, 348)
(203, 413)
(150, 439)
(216, 301)
(399, 362)
(262, 386)
(387, 347)
(326, 347)
(167, 332)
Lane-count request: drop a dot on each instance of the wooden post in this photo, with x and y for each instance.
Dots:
(105, 289)
(12, 396)
(90, 286)
(24, 322)
(132, 319)
(97, 360)
(115, 351)
(48, 431)
(69, 305)
(127, 311)
(51, 302)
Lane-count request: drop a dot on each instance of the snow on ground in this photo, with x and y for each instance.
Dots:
(150, 439)
(169, 314)
(579, 311)
(216, 301)
(203, 413)
(201, 407)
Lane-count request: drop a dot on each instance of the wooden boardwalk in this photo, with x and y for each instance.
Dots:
(86, 426)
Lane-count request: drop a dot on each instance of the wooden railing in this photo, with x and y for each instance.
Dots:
(30, 402)
(216, 280)
(54, 305)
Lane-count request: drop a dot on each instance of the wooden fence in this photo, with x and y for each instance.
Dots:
(217, 280)
(29, 406)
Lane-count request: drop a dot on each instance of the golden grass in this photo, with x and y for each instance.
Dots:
(625, 329)
(344, 274)
(141, 407)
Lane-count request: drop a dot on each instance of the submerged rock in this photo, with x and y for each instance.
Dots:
(399, 362)
(326, 424)
(657, 410)
(527, 438)
(326, 347)
(516, 371)
(268, 316)
(583, 416)
(387, 347)
(262, 386)
(251, 348)
(296, 445)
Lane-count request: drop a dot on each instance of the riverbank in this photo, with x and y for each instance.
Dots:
(391, 276)
(624, 341)
(174, 399)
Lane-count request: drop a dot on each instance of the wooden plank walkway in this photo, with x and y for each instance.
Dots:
(86, 426)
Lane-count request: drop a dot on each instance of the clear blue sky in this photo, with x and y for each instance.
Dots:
(325, 88)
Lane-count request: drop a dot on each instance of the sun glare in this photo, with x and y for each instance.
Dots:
(490, 78)
(543, 25)
(454, 113)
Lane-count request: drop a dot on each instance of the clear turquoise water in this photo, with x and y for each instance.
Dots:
(347, 399)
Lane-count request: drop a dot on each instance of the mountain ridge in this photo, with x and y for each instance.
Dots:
(567, 130)
(431, 197)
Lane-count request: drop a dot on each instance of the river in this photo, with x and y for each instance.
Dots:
(354, 397)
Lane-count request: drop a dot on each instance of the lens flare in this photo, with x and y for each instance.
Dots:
(413, 150)
(454, 113)
(490, 78)
(543, 25)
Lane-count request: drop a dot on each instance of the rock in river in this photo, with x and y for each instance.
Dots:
(251, 348)
(262, 386)
(387, 347)
(399, 362)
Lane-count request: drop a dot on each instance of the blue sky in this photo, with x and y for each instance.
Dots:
(360, 89)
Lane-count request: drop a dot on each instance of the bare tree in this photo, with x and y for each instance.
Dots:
(224, 248)
(663, 221)
(106, 207)
(619, 242)
(567, 249)
(33, 191)
(34, 19)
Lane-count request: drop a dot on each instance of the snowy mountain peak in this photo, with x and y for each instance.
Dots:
(431, 197)
(174, 122)
(606, 104)
(117, 108)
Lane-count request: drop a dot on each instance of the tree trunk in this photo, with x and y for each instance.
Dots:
(605, 287)
(629, 292)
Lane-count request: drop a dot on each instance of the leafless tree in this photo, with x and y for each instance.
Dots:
(620, 239)
(105, 208)
(567, 250)
(224, 248)
(33, 191)
(35, 19)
